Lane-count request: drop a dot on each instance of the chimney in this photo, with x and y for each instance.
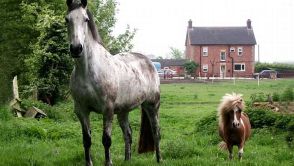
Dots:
(190, 24)
(249, 24)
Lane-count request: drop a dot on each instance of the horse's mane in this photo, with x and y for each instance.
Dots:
(227, 103)
(93, 28)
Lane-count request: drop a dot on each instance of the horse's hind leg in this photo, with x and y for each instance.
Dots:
(123, 120)
(151, 110)
(85, 123)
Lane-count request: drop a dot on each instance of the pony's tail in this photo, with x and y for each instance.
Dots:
(223, 145)
(146, 141)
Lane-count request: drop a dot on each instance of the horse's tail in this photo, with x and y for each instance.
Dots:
(146, 141)
(223, 145)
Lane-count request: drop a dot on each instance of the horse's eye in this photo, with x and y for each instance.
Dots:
(87, 20)
(66, 20)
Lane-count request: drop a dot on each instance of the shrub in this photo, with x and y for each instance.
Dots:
(260, 118)
(288, 94)
(276, 96)
(208, 124)
(5, 113)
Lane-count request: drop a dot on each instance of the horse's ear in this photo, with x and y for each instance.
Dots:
(68, 2)
(84, 3)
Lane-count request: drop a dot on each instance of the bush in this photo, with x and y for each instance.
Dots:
(208, 124)
(260, 118)
(5, 113)
(288, 94)
(276, 96)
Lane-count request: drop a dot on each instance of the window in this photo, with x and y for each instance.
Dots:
(205, 51)
(239, 67)
(240, 51)
(205, 68)
(223, 55)
(232, 49)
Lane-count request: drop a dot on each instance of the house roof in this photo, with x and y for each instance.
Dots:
(170, 62)
(220, 35)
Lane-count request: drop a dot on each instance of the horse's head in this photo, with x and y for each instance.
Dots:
(231, 109)
(77, 25)
(235, 112)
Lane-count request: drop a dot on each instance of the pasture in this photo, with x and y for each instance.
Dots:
(184, 139)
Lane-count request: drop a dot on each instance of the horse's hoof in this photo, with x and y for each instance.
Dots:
(109, 163)
(89, 163)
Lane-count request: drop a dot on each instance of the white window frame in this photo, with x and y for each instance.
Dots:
(243, 66)
(232, 49)
(225, 57)
(240, 51)
(205, 68)
(204, 51)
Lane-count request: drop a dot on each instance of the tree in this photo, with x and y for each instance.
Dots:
(104, 13)
(49, 65)
(190, 67)
(176, 53)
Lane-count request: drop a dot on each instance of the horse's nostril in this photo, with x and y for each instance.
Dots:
(80, 48)
(71, 48)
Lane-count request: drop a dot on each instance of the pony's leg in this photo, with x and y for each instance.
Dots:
(106, 138)
(240, 153)
(85, 123)
(123, 120)
(230, 148)
(152, 113)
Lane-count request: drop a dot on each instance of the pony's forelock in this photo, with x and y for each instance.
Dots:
(229, 101)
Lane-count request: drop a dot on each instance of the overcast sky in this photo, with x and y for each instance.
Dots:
(162, 24)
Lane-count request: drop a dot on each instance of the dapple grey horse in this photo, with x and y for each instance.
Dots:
(111, 85)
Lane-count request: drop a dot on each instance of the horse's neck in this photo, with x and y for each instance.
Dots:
(94, 57)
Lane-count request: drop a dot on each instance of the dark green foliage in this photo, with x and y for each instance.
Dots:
(288, 94)
(5, 114)
(208, 124)
(49, 65)
(190, 67)
(258, 97)
(260, 118)
(273, 66)
(276, 96)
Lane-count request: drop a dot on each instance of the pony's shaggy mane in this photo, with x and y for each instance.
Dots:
(228, 102)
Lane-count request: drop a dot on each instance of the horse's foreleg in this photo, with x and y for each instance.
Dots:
(240, 153)
(85, 123)
(106, 138)
(230, 148)
(127, 132)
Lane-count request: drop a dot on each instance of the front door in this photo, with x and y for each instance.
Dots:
(222, 70)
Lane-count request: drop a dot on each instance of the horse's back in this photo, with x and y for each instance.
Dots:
(138, 79)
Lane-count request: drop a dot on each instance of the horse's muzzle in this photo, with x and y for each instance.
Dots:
(76, 50)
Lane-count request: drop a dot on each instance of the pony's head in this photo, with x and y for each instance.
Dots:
(230, 109)
(77, 24)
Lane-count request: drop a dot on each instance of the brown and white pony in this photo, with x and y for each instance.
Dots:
(234, 124)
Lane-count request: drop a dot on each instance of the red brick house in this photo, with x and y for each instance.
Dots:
(221, 51)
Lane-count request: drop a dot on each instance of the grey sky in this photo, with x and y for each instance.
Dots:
(162, 24)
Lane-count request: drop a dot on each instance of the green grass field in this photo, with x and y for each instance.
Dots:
(58, 141)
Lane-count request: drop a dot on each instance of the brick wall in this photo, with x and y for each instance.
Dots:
(214, 63)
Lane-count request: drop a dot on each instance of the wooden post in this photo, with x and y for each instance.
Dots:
(16, 95)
